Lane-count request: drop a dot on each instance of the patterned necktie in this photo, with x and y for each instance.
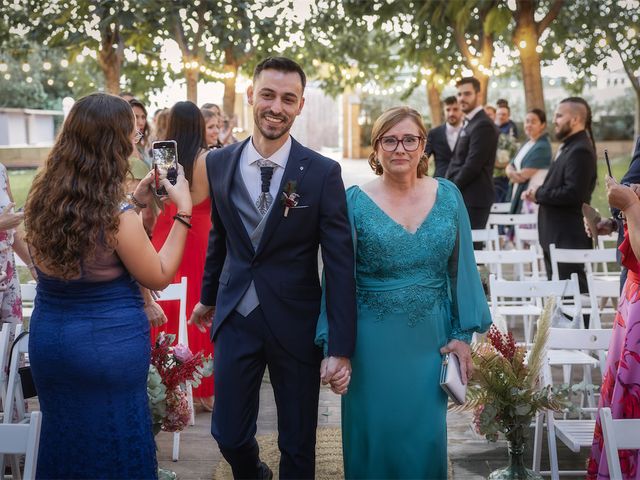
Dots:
(266, 172)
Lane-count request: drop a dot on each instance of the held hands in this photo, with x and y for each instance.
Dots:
(10, 219)
(337, 372)
(202, 316)
(463, 352)
(604, 226)
(621, 196)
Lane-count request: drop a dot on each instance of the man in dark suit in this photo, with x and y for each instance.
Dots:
(568, 184)
(273, 204)
(471, 167)
(442, 140)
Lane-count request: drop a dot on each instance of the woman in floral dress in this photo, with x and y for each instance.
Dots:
(621, 379)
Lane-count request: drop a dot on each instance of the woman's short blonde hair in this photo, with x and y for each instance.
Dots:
(385, 122)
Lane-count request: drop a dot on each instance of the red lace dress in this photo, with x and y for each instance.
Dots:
(621, 381)
(192, 267)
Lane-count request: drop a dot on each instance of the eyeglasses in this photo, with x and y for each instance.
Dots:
(410, 143)
(138, 136)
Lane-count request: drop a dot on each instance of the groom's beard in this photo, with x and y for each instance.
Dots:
(272, 132)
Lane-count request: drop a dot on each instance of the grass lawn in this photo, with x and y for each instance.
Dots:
(21, 182)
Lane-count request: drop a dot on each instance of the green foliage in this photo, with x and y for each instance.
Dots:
(504, 391)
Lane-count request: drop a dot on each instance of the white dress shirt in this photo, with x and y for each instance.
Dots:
(452, 134)
(469, 116)
(251, 172)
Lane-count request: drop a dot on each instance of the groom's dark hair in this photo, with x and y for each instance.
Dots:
(281, 64)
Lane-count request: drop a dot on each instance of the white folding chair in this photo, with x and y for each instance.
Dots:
(601, 290)
(22, 439)
(13, 402)
(489, 236)
(520, 259)
(524, 298)
(178, 291)
(608, 241)
(586, 257)
(28, 296)
(512, 219)
(7, 333)
(503, 207)
(619, 434)
(575, 434)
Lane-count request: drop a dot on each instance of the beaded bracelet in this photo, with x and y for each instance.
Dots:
(137, 202)
(182, 221)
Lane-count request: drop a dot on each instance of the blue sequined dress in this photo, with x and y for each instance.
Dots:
(415, 292)
(89, 350)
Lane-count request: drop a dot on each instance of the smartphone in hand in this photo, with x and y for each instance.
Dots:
(165, 162)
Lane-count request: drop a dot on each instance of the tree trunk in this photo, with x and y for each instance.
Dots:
(191, 76)
(110, 59)
(229, 99)
(527, 31)
(435, 103)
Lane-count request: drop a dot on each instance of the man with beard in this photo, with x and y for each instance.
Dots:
(442, 140)
(471, 167)
(568, 184)
(273, 204)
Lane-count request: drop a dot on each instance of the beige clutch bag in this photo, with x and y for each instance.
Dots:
(451, 380)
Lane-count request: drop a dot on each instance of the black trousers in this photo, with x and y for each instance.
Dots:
(564, 273)
(245, 346)
(478, 217)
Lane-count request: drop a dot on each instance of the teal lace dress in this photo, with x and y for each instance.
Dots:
(415, 292)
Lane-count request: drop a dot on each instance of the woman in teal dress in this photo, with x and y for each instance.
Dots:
(419, 296)
(532, 160)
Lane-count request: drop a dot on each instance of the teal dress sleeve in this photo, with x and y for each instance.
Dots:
(469, 309)
(322, 327)
(540, 155)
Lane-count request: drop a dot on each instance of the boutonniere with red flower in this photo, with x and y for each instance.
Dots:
(289, 197)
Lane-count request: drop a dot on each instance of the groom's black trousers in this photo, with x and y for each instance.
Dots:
(244, 347)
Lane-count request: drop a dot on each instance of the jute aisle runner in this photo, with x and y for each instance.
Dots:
(328, 455)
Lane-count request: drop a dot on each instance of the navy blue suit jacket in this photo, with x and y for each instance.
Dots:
(284, 267)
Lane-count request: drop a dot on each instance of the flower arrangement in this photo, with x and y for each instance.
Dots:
(504, 391)
(171, 367)
(507, 148)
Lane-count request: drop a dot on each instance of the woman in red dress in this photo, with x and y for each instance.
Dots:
(187, 127)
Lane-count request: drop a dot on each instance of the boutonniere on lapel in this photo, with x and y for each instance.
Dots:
(290, 197)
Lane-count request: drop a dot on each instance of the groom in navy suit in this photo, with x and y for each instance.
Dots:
(273, 204)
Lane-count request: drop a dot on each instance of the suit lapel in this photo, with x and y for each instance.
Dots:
(225, 185)
(297, 166)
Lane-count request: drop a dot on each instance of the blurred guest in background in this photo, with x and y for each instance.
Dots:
(187, 127)
(442, 140)
(532, 161)
(212, 124)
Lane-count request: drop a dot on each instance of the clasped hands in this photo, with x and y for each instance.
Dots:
(336, 372)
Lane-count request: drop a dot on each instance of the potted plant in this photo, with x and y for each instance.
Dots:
(505, 394)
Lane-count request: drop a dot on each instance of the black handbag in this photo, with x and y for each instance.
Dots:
(26, 378)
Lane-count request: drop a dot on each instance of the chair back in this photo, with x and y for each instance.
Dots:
(22, 439)
(619, 434)
(587, 257)
(178, 291)
(502, 207)
(519, 258)
(601, 289)
(489, 236)
(512, 219)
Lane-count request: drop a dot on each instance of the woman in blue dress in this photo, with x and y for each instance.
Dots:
(419, 296)
(89, 336)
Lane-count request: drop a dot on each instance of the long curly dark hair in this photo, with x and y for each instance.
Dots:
(75, 199)
(186, 126)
